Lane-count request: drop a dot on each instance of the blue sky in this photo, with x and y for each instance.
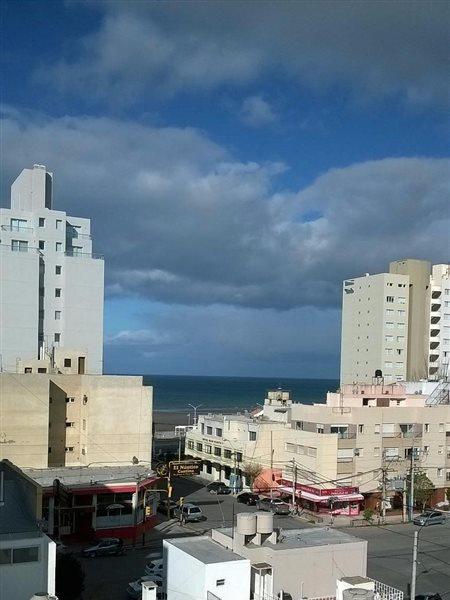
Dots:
(238, 160)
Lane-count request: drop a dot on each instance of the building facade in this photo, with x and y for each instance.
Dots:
(54, 420)
(27, 555)
(51, 284)
(396, 323)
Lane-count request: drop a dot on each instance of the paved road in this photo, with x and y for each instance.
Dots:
(389, 548)
(390, 556)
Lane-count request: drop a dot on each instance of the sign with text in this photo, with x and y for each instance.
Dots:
(184, 468)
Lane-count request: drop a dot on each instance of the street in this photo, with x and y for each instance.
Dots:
(389, 548)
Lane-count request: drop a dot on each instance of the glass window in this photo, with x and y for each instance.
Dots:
(400, 339)
(41, 222)
(401, 300)
(57, 337)
(57, 315)
(19, 246)
(389, 338)
(389, 325)
(199, 447)
(389, 299)
(58, 223)
(208, 430)
(227, 454)
(252, 436)
(208, 449)
(67, 362)
(22, 555)
(58, 246)
(217, 451)
(218, 432)
(5, 556)
(41, 245)
(17, 224)
(58, 270)
(239, 456)
(57, 292)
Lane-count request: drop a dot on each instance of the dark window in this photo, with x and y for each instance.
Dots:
(57, 292)
(227, 453)
(220, 582)
(22, 555)
(28, 370)
(41, 222)
(42, 370)
(67, 362)
(252, 436)
(217, 451)
(5, 556)
(209, 431)
(239, 456)
(58, 269)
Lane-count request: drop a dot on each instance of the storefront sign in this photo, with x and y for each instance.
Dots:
(322, 492)
(184, 468)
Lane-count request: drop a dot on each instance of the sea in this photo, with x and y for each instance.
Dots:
(215, 394)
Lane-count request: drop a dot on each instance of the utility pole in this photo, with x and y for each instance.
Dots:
(271, 465)
(411, 490)
(383, 495)
(414, 566)
(405, 488)
(294, 481)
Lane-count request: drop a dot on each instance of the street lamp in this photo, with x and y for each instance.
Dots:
(195, 411)
(414, 560)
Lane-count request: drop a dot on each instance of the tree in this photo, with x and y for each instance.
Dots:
(69, 577)
(252, 472)
(423, 489)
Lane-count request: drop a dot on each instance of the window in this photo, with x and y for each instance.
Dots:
(67, 362)
(401, 312)
(360, 428)
(41, 222)
(389, 325)
(70, 400)
(388, 351)
(239, 456)
(401, 325)
(217, 451)
(208, 449)
(441, 427)
(426, 449)
(252, 436)
(19, 246)
(57, 337)
(202, 427)
(17, 224)
(69, 448)
(401, 300)
(70, 423)
(399, 365)
(227, 454)
(290, 447)
(23, 555)
(76, 251)
(388, 338)
(319, 428)
(440, 471)
(58, 223)
(389, 298)
(389, 311)
(28, 370)
(427, 428)
(299, 425)
(42, 370)
(376, 451)
(400, 339)
(84, 424)
(220, 582)
(209, 431)
(218, 432)
(58, 246)
(41, 245)
(345, 454)
(58, 269)
(190, 445)
(388, 365)
(391, 453)
(377, 428)
(57, 292)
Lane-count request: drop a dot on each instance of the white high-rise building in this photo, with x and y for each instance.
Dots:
(397, 323)
(51, 285)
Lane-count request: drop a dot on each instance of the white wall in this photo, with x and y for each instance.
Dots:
(20, 581)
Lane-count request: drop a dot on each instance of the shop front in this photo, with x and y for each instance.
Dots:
(337, 501)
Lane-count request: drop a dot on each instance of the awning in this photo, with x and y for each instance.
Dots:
(315, 498)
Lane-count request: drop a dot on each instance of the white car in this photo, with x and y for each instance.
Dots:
(134, 588)
(154, 567)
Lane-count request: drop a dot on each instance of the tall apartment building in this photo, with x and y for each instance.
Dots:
(51, 285)
(393, 322)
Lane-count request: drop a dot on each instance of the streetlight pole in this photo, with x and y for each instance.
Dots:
(195, 411)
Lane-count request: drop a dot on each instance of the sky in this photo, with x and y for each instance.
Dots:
(238, 160)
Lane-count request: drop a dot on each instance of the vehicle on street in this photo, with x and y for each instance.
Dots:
(164, 504)
(429, 517)
(189, 513)
(134, 588)
(274, 505)
(429, 597)
(218, 487)
(248, 498)
(154, 567)
(104, 547)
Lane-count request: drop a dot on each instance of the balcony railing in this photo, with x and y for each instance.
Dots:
(77, 254)
(17, 228)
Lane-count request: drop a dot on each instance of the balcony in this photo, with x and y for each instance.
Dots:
(435, 306)
(434, 332)
(78, 254)
(436, 292)
(17, 228)
(433, 357)
(435, 319)
(434, 344)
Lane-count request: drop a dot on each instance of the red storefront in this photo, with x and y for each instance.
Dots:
(338, 501)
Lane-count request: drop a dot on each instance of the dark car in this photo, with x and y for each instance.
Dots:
(105, 547)
(218, 487)
(429, 597)
(275, 505)
(429, 517)
(248, 498)
(165, 504)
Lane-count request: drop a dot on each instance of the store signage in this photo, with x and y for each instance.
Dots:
(184, 468)
(322, 492)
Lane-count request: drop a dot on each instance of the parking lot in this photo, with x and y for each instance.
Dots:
(389, 548)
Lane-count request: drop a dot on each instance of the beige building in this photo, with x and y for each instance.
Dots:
(393, 322)
(359, 434)
(52, 420)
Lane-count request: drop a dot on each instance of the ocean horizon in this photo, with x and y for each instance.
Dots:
(215, 394)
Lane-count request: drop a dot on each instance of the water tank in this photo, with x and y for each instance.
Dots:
(357, 594)
(246, 523)
(264, 522)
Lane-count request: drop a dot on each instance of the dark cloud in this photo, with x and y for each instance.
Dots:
(373, 48)
(181, 221)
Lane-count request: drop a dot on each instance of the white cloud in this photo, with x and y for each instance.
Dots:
(255, 111)
(180, 221)
(376, 49)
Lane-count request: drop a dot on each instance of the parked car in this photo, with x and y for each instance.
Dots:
(275, 505)
(154, 567)
(134, 588)
(189, 513)
(163, 504)
(429, 517)
(429, 597)
(218, 487)
(248, 498)
(105, 547)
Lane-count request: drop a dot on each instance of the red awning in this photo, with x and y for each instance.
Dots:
(316, 498)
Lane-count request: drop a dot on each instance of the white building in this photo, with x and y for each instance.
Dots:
(27, 556)
(394, 323)
(206, 569)
(51, 285)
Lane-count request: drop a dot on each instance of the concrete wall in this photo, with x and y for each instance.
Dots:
(20, 581)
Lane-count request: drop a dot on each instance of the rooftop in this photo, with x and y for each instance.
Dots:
(204, 549)
(85, 475)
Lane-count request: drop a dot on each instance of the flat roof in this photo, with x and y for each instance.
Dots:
(290, 539)
(204, 549)
(73, 476)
